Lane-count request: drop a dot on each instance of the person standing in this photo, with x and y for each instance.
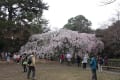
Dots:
(15, 57)
(78, 60)
(31, 66)
(93, 65)
(62, 58)
(106, 61)
(18, 58)
(100, 63)
(24, 62)
(68, 56)
(8, 57)
(84, 61)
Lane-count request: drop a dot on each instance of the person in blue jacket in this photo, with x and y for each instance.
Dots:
(93, 65)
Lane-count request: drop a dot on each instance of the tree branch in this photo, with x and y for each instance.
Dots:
(108, 2)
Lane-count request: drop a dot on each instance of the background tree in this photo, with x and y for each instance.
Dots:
(39, 25)
(16, 19)
(79, 23)
(111, 39)
(21, 11)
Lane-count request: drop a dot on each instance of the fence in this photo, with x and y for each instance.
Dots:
(113, 64)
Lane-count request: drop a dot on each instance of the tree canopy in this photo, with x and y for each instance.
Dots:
(63, 41)
(79, 23)
(20, 19)
(111, 39)
(21, 11)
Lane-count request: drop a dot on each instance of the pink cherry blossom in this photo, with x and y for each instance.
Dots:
(51, 42)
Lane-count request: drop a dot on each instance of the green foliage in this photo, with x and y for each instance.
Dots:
(17, 18)
(21, 11)
(79, 23)
(39, 26)
(111, 39)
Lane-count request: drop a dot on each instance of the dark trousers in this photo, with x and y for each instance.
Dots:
(78, 63)
(84, 65)
(31, 69)
(25, 68)
(68, 63)
(94, 75)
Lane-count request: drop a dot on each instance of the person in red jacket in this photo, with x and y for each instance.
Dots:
(62, 58)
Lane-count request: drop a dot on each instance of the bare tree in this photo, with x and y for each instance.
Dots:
(108, 2)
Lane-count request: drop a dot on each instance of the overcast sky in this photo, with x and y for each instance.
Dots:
(61, 10)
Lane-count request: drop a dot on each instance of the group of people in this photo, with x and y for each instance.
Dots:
(94, 61)
(68, 58)
(16, 57)
(8, 57)
(28, 64)
(5, 56)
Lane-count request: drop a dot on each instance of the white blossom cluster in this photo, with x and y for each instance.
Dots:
(51, 42)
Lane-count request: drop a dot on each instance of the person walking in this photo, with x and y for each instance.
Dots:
(93, 65)
(31, 66)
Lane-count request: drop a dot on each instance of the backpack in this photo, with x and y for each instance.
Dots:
(25, 63)
(29, 60)
(23, 59)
